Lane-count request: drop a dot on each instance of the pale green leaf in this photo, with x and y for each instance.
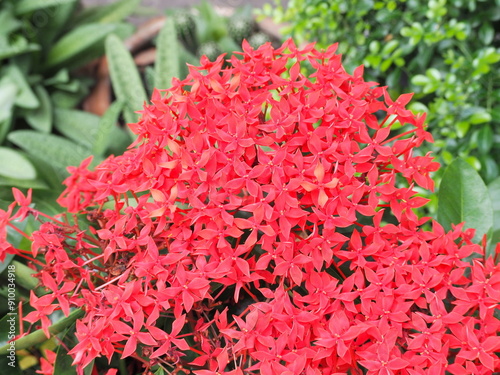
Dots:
(51, 149)
(14, 165)
(25, 97)
(41, 117)
(167, 65)
(79, 126)
(127, 83)
(105, 128)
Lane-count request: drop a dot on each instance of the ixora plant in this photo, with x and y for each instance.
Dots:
(262, 223)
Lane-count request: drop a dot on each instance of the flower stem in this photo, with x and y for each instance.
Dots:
(38, 336)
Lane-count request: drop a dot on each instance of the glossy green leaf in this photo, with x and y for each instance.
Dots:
(418, 107)
(480, 117)
(486, 33)
(489, 168)
(420, 80)
(127, 83)
(434, 74)
(52, 149)
(463, 196)
(105, 128)
(14, 165)
(26, 6)
(78, 41)
(41, 117)
(167, 56)
(494, 191)
(389, 47)
(485, 139)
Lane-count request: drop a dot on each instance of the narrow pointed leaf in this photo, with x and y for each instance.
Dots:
(167, 65)
(41, 118)
(79, 126)
(51, 149)
(127, 83)
(105, 128)
(78, 41)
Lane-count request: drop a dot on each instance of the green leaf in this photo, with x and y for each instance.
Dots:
(462, 128)
(26, 6)
(8, 23)
(59, 17)
(26, 184)
(434, 74)
(63, 362)
(105, 128)
(78, 41)
(489, 168)
(62, 76)
(79, 126)
(167, 64)
(14, 165)
(485, 139)
(418, 107)
(463, 196)
(389, 47)
(114, 12)
(15, 45)
(8, 92)
(486, 33)
(494, 191)
(41, 117)
(25, 97)
(127, 83)
(52, 149)
(65, 99)
(480, 117)
(420, 80)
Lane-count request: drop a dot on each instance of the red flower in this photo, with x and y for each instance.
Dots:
(247, 231)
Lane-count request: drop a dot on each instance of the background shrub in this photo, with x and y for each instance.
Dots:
(444, 51)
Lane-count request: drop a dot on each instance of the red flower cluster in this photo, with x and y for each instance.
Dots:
(264, 224)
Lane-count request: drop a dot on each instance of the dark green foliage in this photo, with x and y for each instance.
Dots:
(447, 52)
